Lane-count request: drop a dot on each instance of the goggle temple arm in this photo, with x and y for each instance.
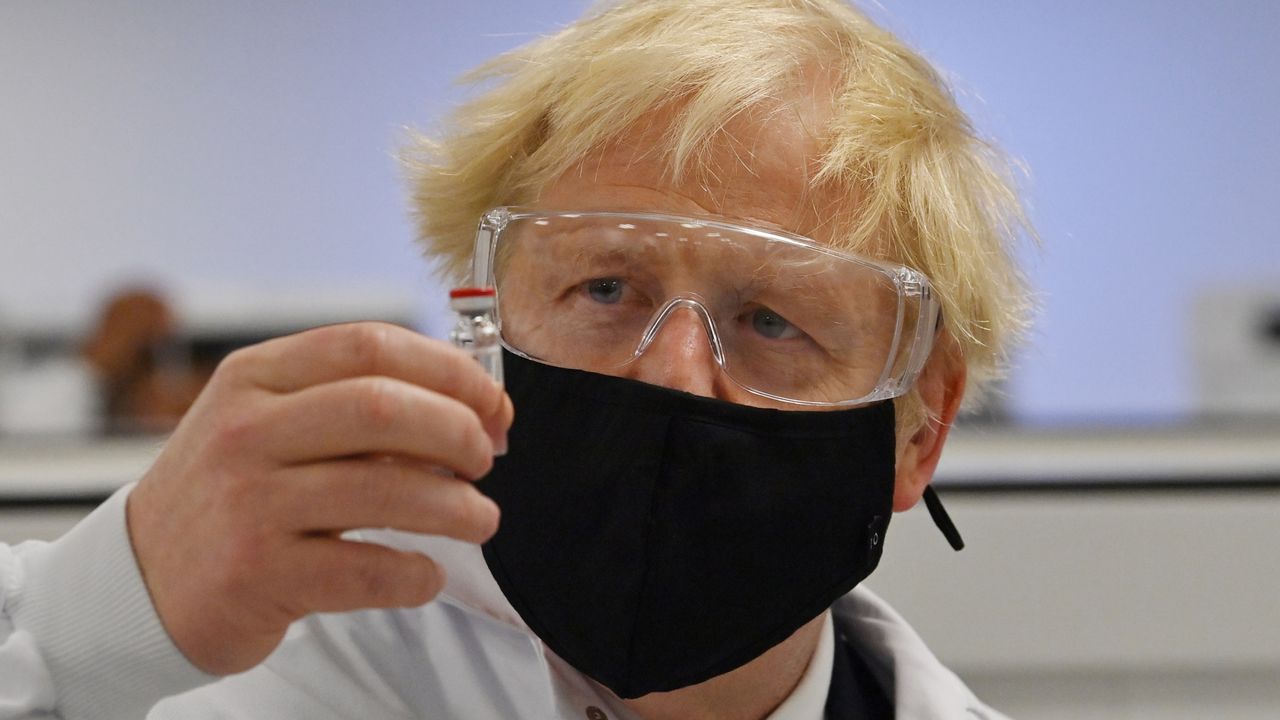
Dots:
(928, 325)
(482, 256)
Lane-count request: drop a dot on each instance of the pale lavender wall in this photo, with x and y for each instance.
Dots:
(1150, 128)
(222, 143)
(249, 142)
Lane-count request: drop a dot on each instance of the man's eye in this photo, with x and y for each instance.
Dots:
(605, 290)
(772, 325)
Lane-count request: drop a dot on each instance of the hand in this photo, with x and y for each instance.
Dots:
(237, 524)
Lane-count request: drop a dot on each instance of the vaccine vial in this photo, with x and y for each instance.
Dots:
(477, 329)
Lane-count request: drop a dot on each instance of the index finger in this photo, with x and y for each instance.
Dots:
(336, 352)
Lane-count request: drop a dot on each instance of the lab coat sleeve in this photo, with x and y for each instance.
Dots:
(79, 637)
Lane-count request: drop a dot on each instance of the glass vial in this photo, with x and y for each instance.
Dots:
(477, 329)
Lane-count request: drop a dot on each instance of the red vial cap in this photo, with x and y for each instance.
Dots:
(467, 292)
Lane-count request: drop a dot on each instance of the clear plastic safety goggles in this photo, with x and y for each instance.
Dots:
(787, 318)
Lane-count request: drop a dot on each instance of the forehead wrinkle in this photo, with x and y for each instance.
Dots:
(757, 169)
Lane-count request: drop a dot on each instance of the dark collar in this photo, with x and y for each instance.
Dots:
(854, 693)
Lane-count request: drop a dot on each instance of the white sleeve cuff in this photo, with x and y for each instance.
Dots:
(84, 601)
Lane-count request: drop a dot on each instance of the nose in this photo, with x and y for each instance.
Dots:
(681, 356)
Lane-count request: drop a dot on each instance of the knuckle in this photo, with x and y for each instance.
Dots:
(379, 403)
(374, 581)
(368, 344)
(235, 365)
(394, 494)
(234, 494)
(234, 430)
(462, 378)
(451, 367)
(483, 391)
(239, 358)
(453, 511)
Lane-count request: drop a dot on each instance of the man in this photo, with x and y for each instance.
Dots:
(746, 256)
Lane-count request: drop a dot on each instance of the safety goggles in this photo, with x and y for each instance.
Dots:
(787, 318)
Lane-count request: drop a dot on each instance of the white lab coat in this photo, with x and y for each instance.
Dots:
(79, 639)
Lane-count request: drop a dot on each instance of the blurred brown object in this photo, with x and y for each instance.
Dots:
(145, 380)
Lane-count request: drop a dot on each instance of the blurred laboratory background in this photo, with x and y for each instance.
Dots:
(179, 178)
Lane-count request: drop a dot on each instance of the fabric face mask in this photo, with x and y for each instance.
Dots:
(656, 539)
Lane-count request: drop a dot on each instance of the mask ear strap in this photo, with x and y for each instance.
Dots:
(942, 519)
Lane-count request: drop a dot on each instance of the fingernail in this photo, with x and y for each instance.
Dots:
(500, 447)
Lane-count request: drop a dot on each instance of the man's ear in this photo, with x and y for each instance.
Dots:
(941, 387)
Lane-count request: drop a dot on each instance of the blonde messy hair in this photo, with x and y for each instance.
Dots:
(929, 192)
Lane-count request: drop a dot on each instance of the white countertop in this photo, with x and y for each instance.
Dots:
(1235, 450)
(48, 468)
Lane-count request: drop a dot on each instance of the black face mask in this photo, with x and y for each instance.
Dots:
(655, 539)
